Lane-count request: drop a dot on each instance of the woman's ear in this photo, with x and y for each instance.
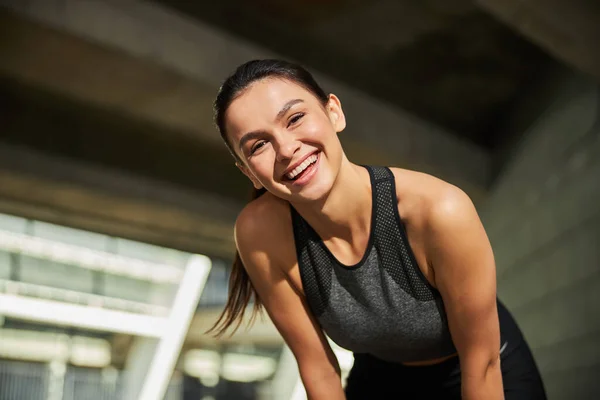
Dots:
(336, 114)
(250, 175)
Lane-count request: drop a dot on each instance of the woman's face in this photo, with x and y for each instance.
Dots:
(286, 138)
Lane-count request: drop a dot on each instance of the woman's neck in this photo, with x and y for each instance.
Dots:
(346, 212)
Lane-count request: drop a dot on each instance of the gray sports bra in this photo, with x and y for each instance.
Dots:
(383, 305)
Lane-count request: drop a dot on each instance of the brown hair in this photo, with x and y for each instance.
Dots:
(241, 291)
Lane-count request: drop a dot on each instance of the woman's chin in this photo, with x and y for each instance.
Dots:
(313, 193)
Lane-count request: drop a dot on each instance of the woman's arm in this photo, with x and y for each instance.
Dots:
(287, 308)
(465, 274)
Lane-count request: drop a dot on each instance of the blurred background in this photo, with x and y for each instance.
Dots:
(117, 197)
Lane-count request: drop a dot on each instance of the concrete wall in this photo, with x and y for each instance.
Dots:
(543, 219)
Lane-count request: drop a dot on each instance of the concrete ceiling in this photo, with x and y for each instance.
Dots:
(165, 70)
(447, 61)
(107, 125)
(568, 30)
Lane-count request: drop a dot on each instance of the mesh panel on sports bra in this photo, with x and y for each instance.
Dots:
(391, 241)
(315, 266)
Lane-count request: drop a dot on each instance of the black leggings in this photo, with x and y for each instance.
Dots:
(372, 378)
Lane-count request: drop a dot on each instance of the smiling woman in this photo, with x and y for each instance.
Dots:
(392, 264)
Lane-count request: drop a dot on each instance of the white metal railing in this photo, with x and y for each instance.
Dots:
(23, 381)
(159, 323)
(37, 381)
(80, 298)
(64, 314)
(95, 260)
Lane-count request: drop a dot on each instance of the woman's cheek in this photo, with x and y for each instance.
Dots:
(313, 130)
(264, 168)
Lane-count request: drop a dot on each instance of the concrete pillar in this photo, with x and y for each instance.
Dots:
(543, 220)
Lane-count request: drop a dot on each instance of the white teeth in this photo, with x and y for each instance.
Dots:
(302, 167)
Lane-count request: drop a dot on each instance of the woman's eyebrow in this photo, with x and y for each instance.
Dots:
(249, 136)
(286, 107)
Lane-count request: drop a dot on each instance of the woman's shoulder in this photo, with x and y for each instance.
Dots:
(423, 197)
(264, 225)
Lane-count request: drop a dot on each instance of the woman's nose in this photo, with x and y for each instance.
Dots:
(287, 149)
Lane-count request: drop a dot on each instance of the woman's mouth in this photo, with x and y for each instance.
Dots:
(304, 171)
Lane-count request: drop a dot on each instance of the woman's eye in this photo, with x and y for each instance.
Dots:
(296, 118)
(257, 146)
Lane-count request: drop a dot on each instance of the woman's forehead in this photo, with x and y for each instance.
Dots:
(270, 92)
(263, 100)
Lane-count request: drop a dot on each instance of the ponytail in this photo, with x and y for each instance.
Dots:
(241, 292)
